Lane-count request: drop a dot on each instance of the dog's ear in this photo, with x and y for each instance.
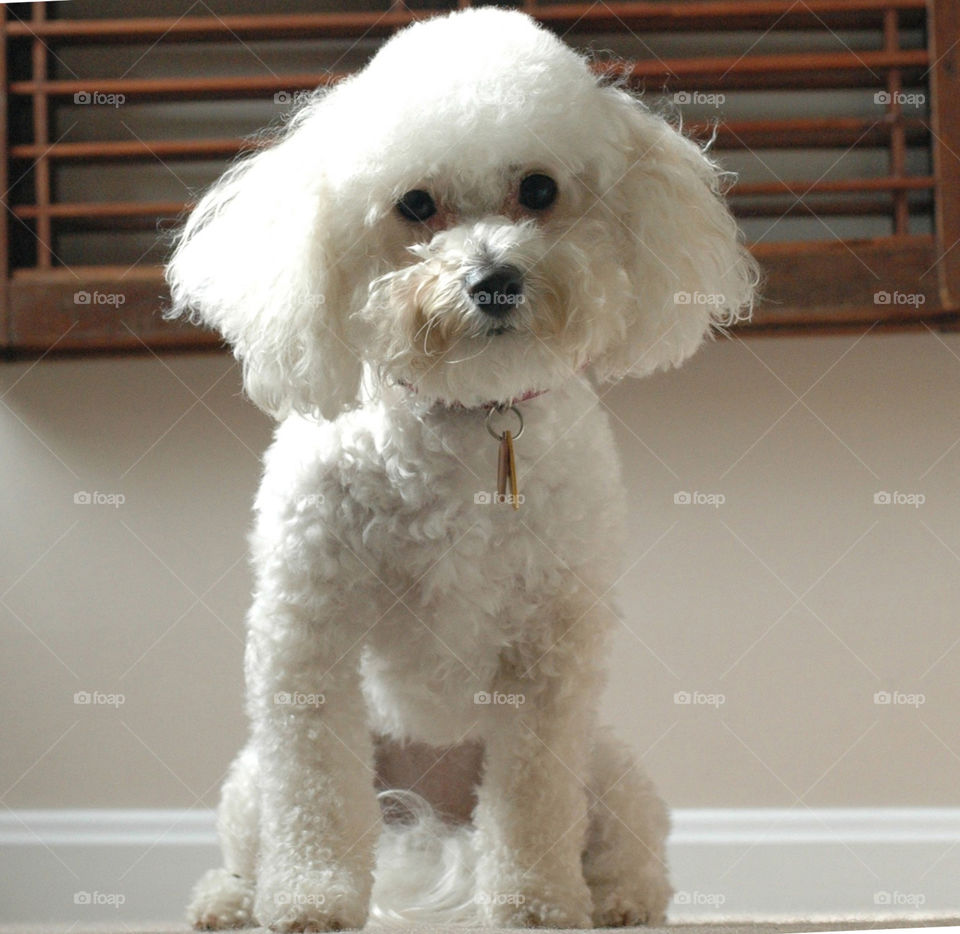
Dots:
(255, 261)
(680, 246)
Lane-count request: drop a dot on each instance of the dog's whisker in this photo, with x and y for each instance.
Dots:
(472, 356)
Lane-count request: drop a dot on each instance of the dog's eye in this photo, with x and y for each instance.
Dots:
(417, 205)
(537, 192)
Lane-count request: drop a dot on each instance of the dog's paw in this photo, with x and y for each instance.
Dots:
(312, 901)
(540, 907)
(617, 906)
(221, 900)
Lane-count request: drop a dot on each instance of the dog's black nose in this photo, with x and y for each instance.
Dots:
(498, 291)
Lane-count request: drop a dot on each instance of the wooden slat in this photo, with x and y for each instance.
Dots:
(898, 148)
(945, 94)
(688, 15)
(119, 209)
(837, 207)
(330, 25)
(107, 273)
(831, 69)
(104, 209)
(827, 133)
(779, 187)
(41, 126)
(579, 17)
(823, 133)
(137, 150)
(788, 70)
(128, 216)
(159, 89)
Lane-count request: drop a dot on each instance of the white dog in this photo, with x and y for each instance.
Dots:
(435, 253)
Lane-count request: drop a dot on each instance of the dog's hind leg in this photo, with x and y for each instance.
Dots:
(624, 862)
(223, 898)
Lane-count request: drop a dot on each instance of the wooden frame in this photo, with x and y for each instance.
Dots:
(810, 287)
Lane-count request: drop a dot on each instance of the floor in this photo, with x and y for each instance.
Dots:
(720, 927)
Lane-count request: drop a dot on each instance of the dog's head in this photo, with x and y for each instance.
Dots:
(473, 214)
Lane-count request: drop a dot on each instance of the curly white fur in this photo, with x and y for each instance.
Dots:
(388, 595)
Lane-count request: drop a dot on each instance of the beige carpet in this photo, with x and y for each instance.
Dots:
(718, 927)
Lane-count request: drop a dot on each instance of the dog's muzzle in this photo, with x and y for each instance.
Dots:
(497, 291)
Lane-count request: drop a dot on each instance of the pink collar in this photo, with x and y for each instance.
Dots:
(486, 406)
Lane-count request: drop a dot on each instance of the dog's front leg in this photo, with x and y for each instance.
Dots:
(319, 818)
(531, 814)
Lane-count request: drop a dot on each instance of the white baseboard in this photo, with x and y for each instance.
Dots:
(134, 865)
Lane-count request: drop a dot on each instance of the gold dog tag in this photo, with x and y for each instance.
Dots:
(507, 470)
(503, 466)
(506, 459)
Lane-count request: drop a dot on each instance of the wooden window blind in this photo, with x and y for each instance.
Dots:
(839, 116)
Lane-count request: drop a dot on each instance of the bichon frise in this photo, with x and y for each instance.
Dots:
(419, 276)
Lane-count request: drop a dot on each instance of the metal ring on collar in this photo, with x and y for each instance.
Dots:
(499, 410)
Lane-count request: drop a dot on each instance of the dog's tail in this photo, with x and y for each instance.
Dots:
(426, 869)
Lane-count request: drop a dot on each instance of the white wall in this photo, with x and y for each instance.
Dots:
(797, 599)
